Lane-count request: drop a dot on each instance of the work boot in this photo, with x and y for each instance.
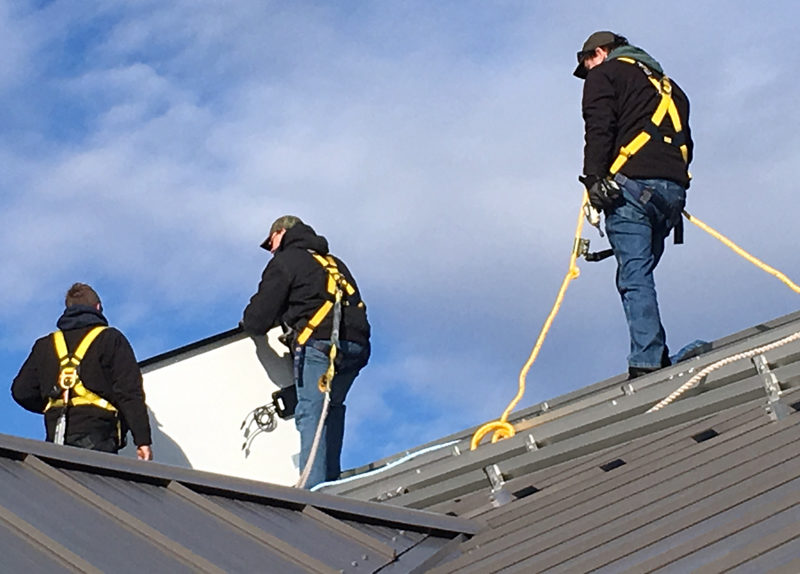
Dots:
(635, 372)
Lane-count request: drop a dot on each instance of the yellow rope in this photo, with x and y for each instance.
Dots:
(739, 251)
(501, 427)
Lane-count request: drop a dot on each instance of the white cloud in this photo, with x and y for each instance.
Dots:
(437, 147)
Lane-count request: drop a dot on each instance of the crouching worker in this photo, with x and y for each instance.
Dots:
(85, 379)
(299, 290)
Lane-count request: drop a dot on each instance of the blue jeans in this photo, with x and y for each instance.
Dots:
(310, 362)
(637, 232)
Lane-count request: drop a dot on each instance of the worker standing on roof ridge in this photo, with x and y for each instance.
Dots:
(297, 292)
(94, 368)
(638, 147)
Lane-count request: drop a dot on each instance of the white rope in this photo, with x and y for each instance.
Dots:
(387, 466)
(695, 380)
(301, 482)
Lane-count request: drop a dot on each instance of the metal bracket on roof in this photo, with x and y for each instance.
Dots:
(774, 407)
(530, 443)
(384, 496)
(499, 495)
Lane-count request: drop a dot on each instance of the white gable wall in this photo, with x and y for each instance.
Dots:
(199, 399)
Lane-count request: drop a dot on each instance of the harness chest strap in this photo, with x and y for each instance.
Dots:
(336, 283)
(68, 374)
(665, 107)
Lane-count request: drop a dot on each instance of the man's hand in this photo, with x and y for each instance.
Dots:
(603, 193)
(144, 452)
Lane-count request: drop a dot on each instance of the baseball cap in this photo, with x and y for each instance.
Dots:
(283, 222)
(596, 40)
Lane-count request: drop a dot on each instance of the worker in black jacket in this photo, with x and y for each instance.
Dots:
(297, 291)
(638, 147)
(103, 388)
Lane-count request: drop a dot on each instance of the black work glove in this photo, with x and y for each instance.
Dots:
(604, 193)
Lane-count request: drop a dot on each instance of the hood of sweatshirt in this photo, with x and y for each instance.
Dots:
(636, 54)
(302, 236)
(79, 316)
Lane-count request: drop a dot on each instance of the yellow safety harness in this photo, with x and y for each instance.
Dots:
(666, 106)
(74, 392)
(337, 286)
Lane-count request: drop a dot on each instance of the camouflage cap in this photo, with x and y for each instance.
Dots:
(283, 222)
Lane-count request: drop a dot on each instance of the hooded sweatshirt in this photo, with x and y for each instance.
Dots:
(294, 286)
(618, 103)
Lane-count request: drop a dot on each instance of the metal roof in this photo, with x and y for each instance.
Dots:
(593, 482)
(63, 508)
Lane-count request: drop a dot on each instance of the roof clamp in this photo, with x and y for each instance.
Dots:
(499, 495)
(384, 496)
(776, 409)
(530, 443)
(456, 450)
(628, 389)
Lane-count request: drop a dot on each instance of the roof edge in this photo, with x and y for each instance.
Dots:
(59, 456)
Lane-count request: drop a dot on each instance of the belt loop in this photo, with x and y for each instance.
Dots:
(677, 232)
(298, 357)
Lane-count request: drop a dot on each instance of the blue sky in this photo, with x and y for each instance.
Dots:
(146, 147)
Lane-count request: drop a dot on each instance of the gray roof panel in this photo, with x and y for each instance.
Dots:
(593, 482)
(65, 508)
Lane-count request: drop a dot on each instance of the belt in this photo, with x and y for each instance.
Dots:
(643, 195)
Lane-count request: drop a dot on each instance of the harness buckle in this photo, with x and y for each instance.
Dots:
(68, 378)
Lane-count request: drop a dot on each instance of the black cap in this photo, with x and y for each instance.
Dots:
(596, 40)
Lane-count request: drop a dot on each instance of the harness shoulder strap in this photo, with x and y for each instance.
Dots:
(87, 341)
(335, 287)
(61, 347)
(62, 352)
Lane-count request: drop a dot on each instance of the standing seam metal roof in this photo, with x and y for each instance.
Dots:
(63, 508)
(594, 483)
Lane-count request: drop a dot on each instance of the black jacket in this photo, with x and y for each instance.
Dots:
(109, 369)
(618, 102)
(293, 287)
